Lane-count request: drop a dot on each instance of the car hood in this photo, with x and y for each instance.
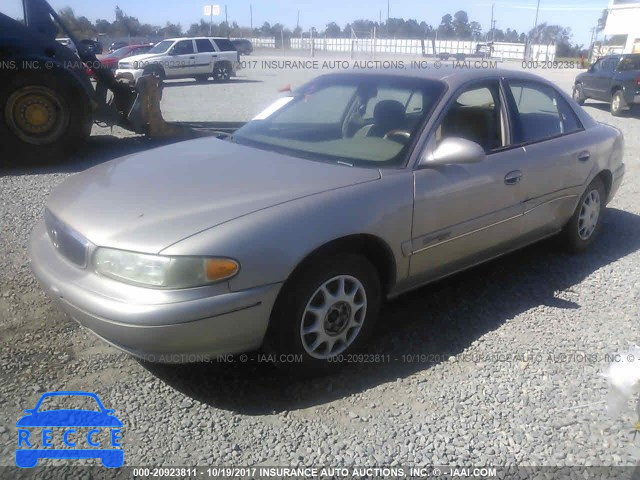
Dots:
(148, 201)
(141, 57)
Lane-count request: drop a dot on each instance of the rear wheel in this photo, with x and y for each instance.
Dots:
(617, 103)
(585, 224)
(222, 72)
(44, 118)
(578, 94)
(326, 310)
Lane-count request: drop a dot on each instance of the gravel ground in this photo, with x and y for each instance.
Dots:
(454, 403)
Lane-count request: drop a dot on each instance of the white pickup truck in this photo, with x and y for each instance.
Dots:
(197, 57)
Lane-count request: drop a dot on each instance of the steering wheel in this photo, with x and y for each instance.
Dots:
(398, 135)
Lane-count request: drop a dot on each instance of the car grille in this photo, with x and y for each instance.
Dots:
(71, 245)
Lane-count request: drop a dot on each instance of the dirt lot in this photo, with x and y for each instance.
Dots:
(457, 404)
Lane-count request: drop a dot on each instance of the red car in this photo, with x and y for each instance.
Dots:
(111, 60)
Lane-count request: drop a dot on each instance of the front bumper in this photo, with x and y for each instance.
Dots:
(175, 326)
(130, 74)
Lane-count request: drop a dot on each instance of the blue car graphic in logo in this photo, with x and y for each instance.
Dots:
(85, 433)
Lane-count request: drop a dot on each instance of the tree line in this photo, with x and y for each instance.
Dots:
(451, 27)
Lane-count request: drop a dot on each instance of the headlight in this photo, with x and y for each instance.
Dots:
(135, 65)
(161, 271)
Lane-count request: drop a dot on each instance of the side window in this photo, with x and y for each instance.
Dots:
(597, 66)
(541, 112)
(183, 47)
(203, 45)
(475, 115)
(225, 45)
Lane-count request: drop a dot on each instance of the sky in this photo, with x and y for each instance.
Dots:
(580, 15)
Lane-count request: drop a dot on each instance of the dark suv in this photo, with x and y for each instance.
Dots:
(243, 46)
(614, 79)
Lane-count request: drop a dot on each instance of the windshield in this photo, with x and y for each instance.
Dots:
(161, 47)
(368, 120)
(69, 402)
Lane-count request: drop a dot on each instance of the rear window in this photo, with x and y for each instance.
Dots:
(225, 45)
(204, 45)
(629, 63)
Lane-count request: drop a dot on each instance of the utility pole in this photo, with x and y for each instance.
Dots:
(388, 10)
(210, 20)
(537, 10)
(251, 16)
(226, 20)
(298, 21)
(493, 34)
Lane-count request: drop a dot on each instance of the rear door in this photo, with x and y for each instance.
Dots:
(601, 83)
(558, 157)
(205, 56)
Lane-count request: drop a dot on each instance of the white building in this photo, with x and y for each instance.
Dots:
(624, 19)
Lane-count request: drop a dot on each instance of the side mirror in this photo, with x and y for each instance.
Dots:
(454, 150)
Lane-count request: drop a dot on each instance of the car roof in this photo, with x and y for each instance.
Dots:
(194, 38)
(453, 77)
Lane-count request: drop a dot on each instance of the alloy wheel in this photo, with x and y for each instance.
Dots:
(333, 317)
(589, 214)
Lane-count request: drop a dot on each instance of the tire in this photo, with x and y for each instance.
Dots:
(617, 103)
(43, 117)
(578, 94)
(346, 323)
(222, 72)
(585, 224)
(157, 71)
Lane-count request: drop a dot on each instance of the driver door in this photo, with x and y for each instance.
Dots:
(464, 213)
(183, 60)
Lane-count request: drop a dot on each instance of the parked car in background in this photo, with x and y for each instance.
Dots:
(117, 45)
(110, 61)
(614, 79)
(243, 46)
(289, 234)
(67, 42)
(93, 46)
(200, 58)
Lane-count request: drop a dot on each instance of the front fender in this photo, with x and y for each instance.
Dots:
(270, 243)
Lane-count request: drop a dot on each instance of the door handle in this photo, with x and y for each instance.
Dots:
(584, 156)
(214, 56)
(513, 178)
(192, 58)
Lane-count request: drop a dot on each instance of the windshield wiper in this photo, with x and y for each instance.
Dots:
(345, 163)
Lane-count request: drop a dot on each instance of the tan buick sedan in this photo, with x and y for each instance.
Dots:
(351, 190)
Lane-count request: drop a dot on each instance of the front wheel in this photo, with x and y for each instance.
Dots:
(578, 94)
(325, 311)
(617, 103)
(585, 224)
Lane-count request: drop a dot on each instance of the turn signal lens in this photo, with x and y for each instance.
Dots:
(220, 268)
